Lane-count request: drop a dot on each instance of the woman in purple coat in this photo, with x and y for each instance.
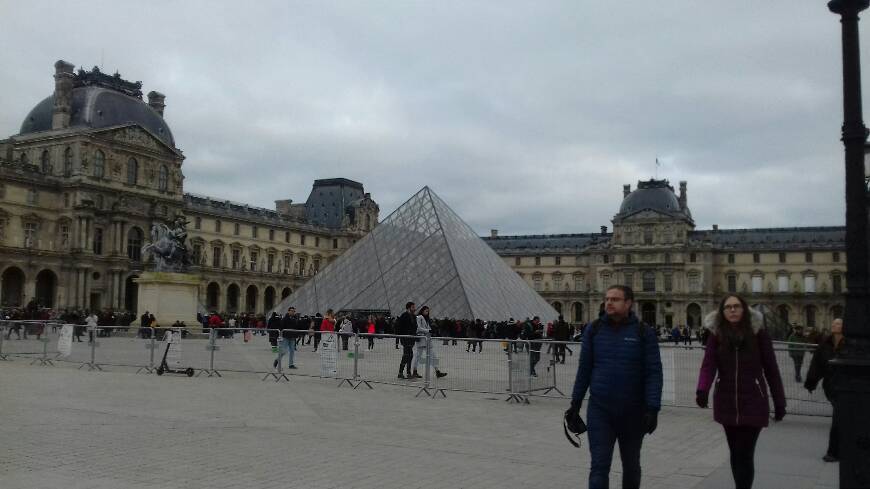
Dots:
(739, 357)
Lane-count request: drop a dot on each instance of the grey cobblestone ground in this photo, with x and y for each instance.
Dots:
(75, 429)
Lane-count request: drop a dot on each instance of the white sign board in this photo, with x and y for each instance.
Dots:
(64, 341)
(328, 354)
(173, 356)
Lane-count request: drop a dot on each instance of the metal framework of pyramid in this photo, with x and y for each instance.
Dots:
(424, 253)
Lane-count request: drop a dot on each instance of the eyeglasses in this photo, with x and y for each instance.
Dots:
(733, 307)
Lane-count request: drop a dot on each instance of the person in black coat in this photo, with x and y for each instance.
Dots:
(407, 325)
(820, 370)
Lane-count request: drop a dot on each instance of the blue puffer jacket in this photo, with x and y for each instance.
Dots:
(620, 369)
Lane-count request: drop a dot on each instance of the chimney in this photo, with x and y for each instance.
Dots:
(493, 233)
(626, 189)
(682, 198)
(63, 85)
(283, 206)
(715, 227)
(155, 101)
(603, 230)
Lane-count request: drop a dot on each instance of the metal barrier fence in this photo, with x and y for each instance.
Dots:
(519, 370)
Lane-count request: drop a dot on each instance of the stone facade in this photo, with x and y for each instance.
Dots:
(678, 273)
(94, 167)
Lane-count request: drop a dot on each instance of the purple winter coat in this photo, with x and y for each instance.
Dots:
(741, 395)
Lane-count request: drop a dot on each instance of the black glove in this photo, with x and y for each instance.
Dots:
(702, 399)
(650, 421)
(573, 423)
(779, 413)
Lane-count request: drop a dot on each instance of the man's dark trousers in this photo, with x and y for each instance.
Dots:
(606, 426)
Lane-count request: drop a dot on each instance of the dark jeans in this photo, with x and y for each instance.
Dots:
(560, 352)
(371, 342)
(344, 339)
(316, 340)
(407, 355)
(798, 363)
(741, 444)
(834, 435)
(605, 429)
(534, 358)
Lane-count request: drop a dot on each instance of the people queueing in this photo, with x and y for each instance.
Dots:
(407, 327)
(345, 330)
(621, 367)
(821, 370)
(371, 329)
(739, 357)
(423, 342)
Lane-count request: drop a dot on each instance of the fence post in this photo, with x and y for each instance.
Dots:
(152, 345)
(554, 359)
(429, 365)
(92, 365)
(44, 361)
(3, 356)
(425, 387)
(211, 347)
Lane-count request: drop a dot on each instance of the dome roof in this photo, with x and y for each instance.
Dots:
(96, 107)
(656, 195)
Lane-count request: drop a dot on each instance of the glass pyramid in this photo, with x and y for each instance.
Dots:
(424, 253)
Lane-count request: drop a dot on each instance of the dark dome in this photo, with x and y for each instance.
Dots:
(655, 195)
(100, 107)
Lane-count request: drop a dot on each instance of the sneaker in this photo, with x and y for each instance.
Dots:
(534, 374)
(830, 458)
(440, 374)
(292, 366)
(415, 375)
(401, 376)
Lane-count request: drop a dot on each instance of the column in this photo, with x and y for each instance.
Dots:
(121, 241)
(122, 291)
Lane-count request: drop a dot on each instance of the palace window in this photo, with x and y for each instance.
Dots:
(98, 241)
(648, 235)
(288, 258)
(558, 260)
(629, 279)
(757, 284)
(45, 162)
(271, 235)
(518, 261)
(837, 283)
(64, 236)
(756, 258)
(335, 244)
(628, 258)
(694, 282)
(317, 242)
(197, 254)
(302, 242)
(197, 223)
(811, 317)
(32, 197)
(236, 258)
(809, 284)
(578, 282)
(537, 261)
(536, 280)
(216, 256)
(236, 228)
(99, 164)
(286, 236)
(606, 258)
(163, 179)
(67, 162)
(301, 265)
(316, 265)
(732, 282)
(693, 257)
(836, 257)
(808, 257)
(557, 281)
(782, 283)
(649, 281)
(255, 231)
(605, 280)
(730, 258)
(782, 257)
(132, 171)
(669, 282)
(134, 244)
(270, 262)
(217, 225)
(667, 257)
(253, 262)
(30, 234)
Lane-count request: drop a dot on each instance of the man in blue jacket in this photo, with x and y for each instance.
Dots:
(621, 367)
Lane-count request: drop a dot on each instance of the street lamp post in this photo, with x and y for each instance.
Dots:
(853, 366)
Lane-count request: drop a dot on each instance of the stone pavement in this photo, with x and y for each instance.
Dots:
(75, 429)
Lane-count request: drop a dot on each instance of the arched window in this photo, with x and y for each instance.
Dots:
(99, 164)
(23, 158)
(67, 162)
(45, 162)
(132, 171)
(134, 244)
(163, 178)
(810, 313)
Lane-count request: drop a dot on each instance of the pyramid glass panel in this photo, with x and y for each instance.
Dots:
(422, 252)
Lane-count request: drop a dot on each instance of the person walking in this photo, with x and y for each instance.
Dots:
(288, 325)
(621, 367)
(370, 330)
(346, 330)
(820, 370)
(560, 333)
(533, 330)
(740, 353)
(424, 338)
(91, 325)
(796, 350)
(407, 326)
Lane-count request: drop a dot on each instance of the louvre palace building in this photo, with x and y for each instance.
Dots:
(94, 166)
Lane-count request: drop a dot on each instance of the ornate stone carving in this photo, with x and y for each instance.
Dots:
(136, 137)
(167, 246)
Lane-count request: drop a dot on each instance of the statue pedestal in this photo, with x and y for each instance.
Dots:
(169, 297)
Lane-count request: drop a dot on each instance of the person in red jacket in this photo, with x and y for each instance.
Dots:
(370, 329)
(740, 352)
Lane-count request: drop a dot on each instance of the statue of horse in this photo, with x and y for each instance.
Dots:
(168, 249)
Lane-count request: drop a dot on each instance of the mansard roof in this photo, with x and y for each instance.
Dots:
(802, 238)
(546, 243)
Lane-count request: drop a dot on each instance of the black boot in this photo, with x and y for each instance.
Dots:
(440, 374)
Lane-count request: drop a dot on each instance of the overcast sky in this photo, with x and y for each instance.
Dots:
(527, 117)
